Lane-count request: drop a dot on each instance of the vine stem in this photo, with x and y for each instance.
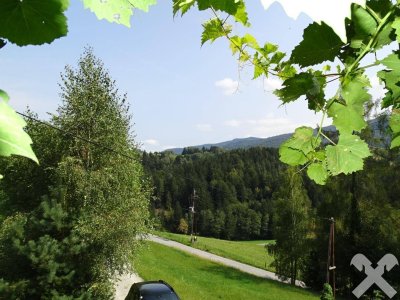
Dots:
(233, 42)
(329, 140)
(320, 133)
(371, 42)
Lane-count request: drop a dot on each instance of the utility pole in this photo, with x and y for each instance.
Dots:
(330, 267)
(193, 198)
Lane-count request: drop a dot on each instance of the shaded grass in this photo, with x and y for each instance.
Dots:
(194, 278)
(249, 252)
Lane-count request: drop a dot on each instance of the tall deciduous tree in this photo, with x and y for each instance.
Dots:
(71, 244)
(106, 189)
(292, 220)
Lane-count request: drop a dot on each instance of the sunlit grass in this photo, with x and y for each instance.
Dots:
(248, 252)
(194, 278)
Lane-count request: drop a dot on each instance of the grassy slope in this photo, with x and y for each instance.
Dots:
(197, 279)
(248, 252)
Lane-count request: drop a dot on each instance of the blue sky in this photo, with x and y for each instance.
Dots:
(181, 94)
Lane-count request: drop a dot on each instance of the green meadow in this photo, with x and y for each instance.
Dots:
(249, 252)
(194, 278)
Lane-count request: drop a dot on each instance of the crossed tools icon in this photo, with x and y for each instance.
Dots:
(374, 275)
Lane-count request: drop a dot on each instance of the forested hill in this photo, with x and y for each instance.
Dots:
(236, 188)
(233, 189)
(241, 193)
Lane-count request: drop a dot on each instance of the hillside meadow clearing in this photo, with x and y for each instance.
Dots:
(194, 278)
(248, 252)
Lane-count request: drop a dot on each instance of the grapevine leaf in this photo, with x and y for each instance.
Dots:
(268, 49)
(277, 57)
(295, 87)
(349, 116)
(213, 29)
(396, 26)
(318, 172)
(364, 26)
(391, 80)
(235, 44)
(229, 6)
(303, 84)
(258, 69)
(250, 40)
(395, 142)
(143, 4)
(294, 151)
(347, 156)
(33, 22)
(385, 36)
(13, 138)
(2, 43)
(117, 11)
(320, 43)
(380, 7)
(394, 123)
(392, 61)
(182, 5)
(241, 15)
(4, 95)
(292, 157)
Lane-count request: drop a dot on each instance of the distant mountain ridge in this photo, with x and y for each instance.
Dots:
(269, 142)
(245, 143)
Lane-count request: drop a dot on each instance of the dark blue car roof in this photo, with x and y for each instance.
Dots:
(154, 287)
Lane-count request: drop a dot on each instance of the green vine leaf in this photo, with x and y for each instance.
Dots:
(117, 11)
(318, 172)
(349, 116)
(212, 29)
(33, 22)
(182, 5)
(304, 84)
(241, 15)
(2, 43)
(394, 123)
(396, 27)
(294, 151)
(320, 43)
(391, 79)
(364, 26)
(13, 138)
(143, 5)
(231, 7)
(348, 155)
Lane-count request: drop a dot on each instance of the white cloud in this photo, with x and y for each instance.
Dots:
(232, 123)
(332, 12)
(204, 127)
(228, 85)
(271, 84)
(377, 89)
(151, 142)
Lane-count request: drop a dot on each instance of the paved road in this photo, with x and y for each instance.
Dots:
(219, 259)
(124, 284)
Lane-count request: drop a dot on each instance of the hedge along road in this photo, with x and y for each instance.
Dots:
(222, 260)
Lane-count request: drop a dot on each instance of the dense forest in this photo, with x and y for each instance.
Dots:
(239, 196)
